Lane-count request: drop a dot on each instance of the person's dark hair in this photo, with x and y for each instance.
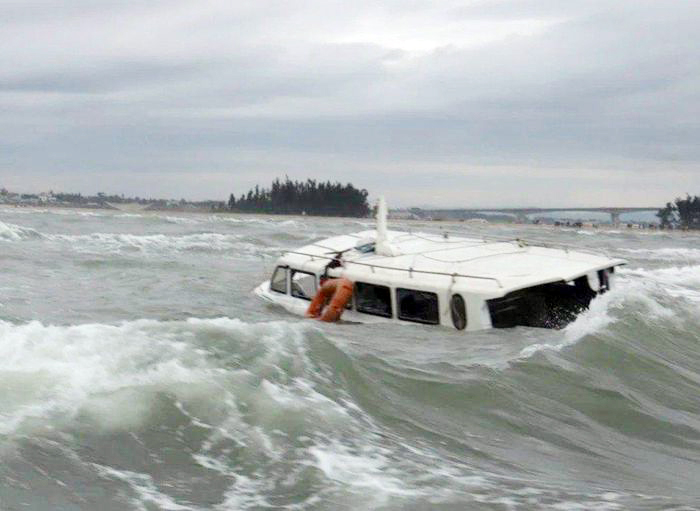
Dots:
(336, 262)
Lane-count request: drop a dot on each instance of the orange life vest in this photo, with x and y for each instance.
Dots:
(336, 293)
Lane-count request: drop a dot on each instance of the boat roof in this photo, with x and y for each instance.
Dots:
(488, 267)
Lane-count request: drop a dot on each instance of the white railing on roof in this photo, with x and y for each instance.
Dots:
(392, 268)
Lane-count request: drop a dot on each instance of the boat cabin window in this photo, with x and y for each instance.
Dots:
(278, 282)
(373, 299)
(459, 312)
(303, 284)
(417, 306)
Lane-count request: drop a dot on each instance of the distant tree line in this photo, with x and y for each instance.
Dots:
(682, 213)
(103, 200)
(303, 197)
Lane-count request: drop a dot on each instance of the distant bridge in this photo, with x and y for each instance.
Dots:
(522, 213)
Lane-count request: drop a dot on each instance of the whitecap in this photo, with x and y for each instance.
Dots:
(12, 232)
(180, 220)
(110, 375)
(147, 493)
(153, 243)
(128, 215)
(685, 276)
(54, 372)
(366, 471)
(675, 254)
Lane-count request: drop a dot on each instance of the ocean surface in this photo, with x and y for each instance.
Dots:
(138, 371)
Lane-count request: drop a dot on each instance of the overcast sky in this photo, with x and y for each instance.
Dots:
(445, 103)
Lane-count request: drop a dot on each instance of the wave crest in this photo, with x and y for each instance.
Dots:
(12, 232)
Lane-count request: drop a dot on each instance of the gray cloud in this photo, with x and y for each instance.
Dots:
(478, 102)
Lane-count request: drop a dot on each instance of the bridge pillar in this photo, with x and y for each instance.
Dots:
(615, 218)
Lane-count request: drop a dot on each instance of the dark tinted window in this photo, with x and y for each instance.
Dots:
(278, 282)
(303, 284)
(372, 299)
(459, 312)
(418, 306)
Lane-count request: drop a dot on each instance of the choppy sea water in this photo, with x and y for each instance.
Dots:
(137, 371)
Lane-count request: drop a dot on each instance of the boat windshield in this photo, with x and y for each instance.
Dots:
(303, 284)
(278, 282)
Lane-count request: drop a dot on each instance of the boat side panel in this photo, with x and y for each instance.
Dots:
(475, 305)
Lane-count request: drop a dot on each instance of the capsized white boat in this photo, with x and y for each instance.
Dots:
(457, 282)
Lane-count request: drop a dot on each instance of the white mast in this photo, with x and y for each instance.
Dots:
(381, 220)
(383, 247)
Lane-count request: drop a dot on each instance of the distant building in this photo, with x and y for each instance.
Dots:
(47, 197)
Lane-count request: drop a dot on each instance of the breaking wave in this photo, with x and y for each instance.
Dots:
(98, 242)
(665, 254)
(110, 374)
(267, 222)
(631, 299)
(104, 243)
(12, 232)
(251, 394)
(269, 406)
